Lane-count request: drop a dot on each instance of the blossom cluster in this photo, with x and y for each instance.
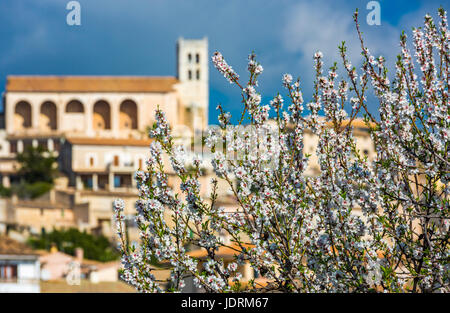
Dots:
(223, 67)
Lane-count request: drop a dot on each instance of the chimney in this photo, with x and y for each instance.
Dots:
(79, 254)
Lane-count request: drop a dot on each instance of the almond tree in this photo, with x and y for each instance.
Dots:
(301, 233)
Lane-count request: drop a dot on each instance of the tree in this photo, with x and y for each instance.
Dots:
(36, 165)
(301, 232)
(36, 173)
(94, 247)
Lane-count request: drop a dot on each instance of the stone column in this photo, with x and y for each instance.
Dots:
(60, 109)
(88, 117)
(139, 117)
(78, 183)
(111, 181)
(50, 145)
(19, 146)
(9, 108)
(35, 112)
(95, 182)
(115, 108)
(6, 181)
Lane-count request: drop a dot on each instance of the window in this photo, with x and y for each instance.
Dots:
(189, 58)
(128, 115)
(198, 75)
(91, 160)
(56, 145)
(74, 106)
(13, 147)
(102, 115)
(22, 115)
(89, 183)
(140, 164)
(117, 181)
(197, 58)
(116, 160)
(8, 272)
(47, 116)
(43, 144)
(189, 74)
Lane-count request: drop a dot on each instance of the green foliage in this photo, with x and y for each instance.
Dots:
(36, 165)
(37, 171)
(4, 191)
(31, 191)
(97, 248)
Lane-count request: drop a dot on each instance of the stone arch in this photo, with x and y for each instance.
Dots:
(74, 119)
(22, 115)
(74, 106)
(102, 115)
(128, 118)
(48, 116)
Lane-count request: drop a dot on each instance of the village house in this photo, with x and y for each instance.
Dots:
(19, 267)
(55, 265)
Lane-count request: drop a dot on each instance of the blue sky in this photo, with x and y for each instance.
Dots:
(137, 37)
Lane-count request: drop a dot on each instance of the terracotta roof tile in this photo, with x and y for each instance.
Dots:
(223, 251)
(91, 83)
(13, 247)
(109, 141)
(357, 123)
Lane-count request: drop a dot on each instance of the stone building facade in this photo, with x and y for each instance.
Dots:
(98, 128)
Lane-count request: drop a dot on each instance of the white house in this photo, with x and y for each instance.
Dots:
(19, 267)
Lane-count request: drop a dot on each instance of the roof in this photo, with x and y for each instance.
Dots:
(10, 246)
(91, 83)
(46, 255)
(101, 265)
(109, 141)
(223, 251)
(357, 123)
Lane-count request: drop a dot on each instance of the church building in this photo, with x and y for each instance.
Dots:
(97, 126)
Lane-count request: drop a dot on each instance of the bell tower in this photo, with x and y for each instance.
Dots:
(192, 72)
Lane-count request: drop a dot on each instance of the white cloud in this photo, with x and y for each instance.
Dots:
(312, 26)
